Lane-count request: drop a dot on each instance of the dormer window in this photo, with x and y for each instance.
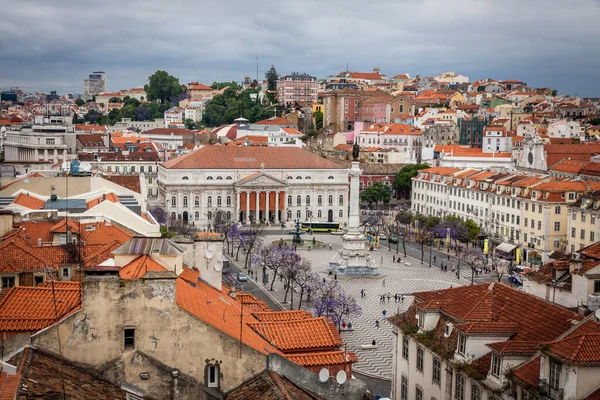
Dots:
(448, 329)
(462, 344)
(421, 321)
(496, 365)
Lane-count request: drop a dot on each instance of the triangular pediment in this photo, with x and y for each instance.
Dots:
(260, 179)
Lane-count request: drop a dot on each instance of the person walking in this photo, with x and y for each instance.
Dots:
(402, 299)
(393, 258)
(381, 260)
(330, 247)
(384, 313)
(376, 323)
(384, 282)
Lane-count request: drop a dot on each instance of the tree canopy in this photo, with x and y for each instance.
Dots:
(79, 102)
(221, 85)
(376, 193)
(272, 76)
(163, 87)
(225, 108)
(403, 181)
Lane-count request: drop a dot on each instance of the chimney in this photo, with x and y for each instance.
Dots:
(103, 196)
(232, 293)
(40, 242)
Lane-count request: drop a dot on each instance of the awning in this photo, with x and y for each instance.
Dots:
(506, 247)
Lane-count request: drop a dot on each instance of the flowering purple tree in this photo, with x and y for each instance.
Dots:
(343, 308)
(159, 215)
(233, 234)
(306, 281)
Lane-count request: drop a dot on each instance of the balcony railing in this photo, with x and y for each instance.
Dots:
(548, 391)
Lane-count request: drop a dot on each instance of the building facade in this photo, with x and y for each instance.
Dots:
(251, 184)
(95, 84)
(297, 88)
(471, 130)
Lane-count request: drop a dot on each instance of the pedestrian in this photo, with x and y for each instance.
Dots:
(330, 248)
(323, 281)
(384, 313)
(399, 259)
(308, 248)
(384, 282)
(396, 298)
(377, 323)
(330, 273)
(335, 277)
(402, 299)
(393, 258)
(452, 269)
(381, 260)
(434, 258)
(373, 343)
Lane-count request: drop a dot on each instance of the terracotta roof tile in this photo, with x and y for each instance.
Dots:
(190, 275)
(323, 358)
(139, 266)
(9, 385)
(529, 372)
(595, 395)
(581, 346)
(278, 316)
(250, 157)
(29, 309)
(298, 335)
(269, 386)
(515, 347)
(487, 328)
(220, 311)
(109, 196)
(28, 201)
(131, 182)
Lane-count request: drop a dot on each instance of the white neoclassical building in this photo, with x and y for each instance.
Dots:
(253, 184)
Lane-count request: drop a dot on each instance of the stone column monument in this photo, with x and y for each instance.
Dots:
(353, 258)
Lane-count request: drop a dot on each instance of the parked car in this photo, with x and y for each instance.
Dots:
(242, 277)
(382, 237)
(393, 239)
(340, 232)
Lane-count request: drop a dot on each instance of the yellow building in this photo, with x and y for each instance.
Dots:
(583, 222)
(316, 107)
(593, 132)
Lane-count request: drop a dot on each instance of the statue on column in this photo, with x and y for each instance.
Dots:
(355, 151)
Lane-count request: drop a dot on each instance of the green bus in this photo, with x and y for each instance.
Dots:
(320, 226)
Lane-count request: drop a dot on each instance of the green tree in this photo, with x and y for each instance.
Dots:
(403, 180)
(376, 193)
(114, 100)
(221, 85)
(163, 87)
(131, 100)
(79, 102)
(189, 123)
(272, 76)
(226, 107)
(554, 92)
(472, 228)
(318, 120)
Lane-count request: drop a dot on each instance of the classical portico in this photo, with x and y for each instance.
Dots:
(260, 197)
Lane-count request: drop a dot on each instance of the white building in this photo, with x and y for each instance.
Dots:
(566, 129)
(127, 123)
(96, 83)
(195, 114)
(403, 138)
(173, 116)
(245, 181)
(451, 78)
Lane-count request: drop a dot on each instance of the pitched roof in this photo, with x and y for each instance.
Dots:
(273, 121)
(250, 157)
(9, 385)
(365, 75)
(109, 196)
(323, 358)
(28, 201)
(269, 386)
(529, 372)
(29, 309)
(297, 335)
(131, 182)
(581, 346)
(277, 316)
(139, 266)
(220, 311)
(556, 152)
(168, 131)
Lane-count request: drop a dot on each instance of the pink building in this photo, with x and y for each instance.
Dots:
(301, 88)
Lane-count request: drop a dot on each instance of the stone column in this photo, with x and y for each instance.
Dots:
(277, 194)
(247, 207)
(257, 212)
(267, 206)
(238, 206)
(354, 217)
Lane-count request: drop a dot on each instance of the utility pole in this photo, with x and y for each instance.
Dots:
(257, 69)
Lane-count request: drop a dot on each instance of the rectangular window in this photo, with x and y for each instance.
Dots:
(418, 393)
(421, 320)
(526, 220)
(437, 371)
(554, 380)
(573, 231)
(539, 225)
(539, 208)
(557, 210)
(582, 234)
(65, 272)
(404, 388)
(213, 379)
(405, 347)
(593, 218)
(460, 387)
(476, 393)
(462, 344)
(496, 362)
(129, 338)
(597, 286)
(8, 282)
(420, 357)
(592, 236)
(556, 226)
(574, 215)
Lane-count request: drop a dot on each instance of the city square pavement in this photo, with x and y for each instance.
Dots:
(402, 278)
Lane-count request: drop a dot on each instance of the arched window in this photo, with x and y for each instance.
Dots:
(319, 214)
(219, 178)
(209, 216)
(330, 177)
(290, 177)
(229, 215)
(173, 216)
(298, 177)
(228, 178)
(185, 178)
(209, 200)
(289, 200)
(289, 214)
(308, 200)
(308, 177)
(341, 214)
(185, 201)
(173, 202)
(228, 201)
(218, 201)
(209, 178)
(341, 199)
(320, 200)
(197, 201)
(299, 200)
(330, 200)
(197, 216)
(298, 214)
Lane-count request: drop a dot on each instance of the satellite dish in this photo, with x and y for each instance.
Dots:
(597, 314)
(210, 252)
(341, 377)
(323, 375)
(218, 265)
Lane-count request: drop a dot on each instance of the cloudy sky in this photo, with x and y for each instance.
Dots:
(53, 45)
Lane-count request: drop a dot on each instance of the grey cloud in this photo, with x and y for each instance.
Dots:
(54, 45)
